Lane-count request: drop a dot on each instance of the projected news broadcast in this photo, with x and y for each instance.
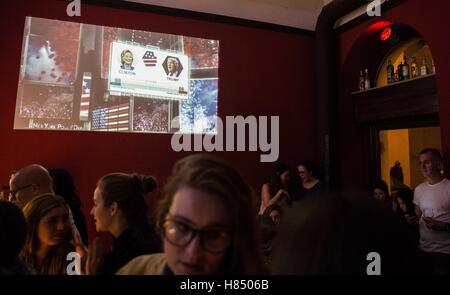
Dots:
(84, 77)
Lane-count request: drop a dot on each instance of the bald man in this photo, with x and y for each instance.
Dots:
(29, 182)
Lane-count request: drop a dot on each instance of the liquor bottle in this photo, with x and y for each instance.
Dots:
(390, 72)
(424, 68)
(405, 69)
(433, 68)
(366, 80)
(414, 69)
(361, 80)
(400, 72)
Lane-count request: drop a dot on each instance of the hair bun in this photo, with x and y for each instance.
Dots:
(149, 184)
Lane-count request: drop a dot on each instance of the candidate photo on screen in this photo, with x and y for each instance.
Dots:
(126, 60)
(172, 66)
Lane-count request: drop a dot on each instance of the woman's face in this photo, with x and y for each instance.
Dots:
(127, 58)
(402, 205)
(200, 211)
(101, 213)
(53, 228)
(284, 177)
(304, 174)
(379, 195)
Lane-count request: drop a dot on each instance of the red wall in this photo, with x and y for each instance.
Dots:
(281, 83)
(431, 20)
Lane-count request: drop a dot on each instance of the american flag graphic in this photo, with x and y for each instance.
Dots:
(149, 59)
(114, 118)
(85, 97)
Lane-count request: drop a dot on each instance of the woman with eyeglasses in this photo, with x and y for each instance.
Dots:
(206, 223)
(309, 184)
(120, 209)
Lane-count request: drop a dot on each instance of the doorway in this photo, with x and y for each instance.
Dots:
(399, 154)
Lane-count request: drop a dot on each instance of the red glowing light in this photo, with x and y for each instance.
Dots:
(378, 26)
(386, 34)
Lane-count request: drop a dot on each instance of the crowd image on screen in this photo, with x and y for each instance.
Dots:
(205, 53)
(53, 103)
(151, 116)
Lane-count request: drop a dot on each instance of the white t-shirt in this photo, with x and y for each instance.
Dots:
(434, 201)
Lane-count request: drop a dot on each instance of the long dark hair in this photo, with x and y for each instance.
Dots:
(13, 232)
(55, 262)
(380, 184)
(274, 181)
(128, 190)
(211, 175)
(407, 196)
(64, 186)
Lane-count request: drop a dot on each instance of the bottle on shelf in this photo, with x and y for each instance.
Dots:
(405, 68)
(366, 80)
(361, 80)
(424, 68)
(400, 72)
(390, 72)
(414, 68)
(433, 68)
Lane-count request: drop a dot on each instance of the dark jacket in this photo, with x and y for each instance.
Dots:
(127, 246)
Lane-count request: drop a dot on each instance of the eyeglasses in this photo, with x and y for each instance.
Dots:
(181, 234)
(12, 193)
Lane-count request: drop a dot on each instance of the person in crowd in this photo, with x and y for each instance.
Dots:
(120, 209)
(309, 185)
(49, 234)
(29, 182)
(206, 223)
(64, 186)
(342, 233)
(380, 192)
(406, 209)
(13, 233)
(267, 232)
(432, 200)
(276, 191)
(396, 175)
(405, 197)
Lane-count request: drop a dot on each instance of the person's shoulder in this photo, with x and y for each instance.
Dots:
(420, 187)
(446, 183)
(152, 264)
(265, 186)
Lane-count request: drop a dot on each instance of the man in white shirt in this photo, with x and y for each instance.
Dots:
(432, 199)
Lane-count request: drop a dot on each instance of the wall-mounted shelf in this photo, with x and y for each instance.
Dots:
(407, 98)
(393, 84)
